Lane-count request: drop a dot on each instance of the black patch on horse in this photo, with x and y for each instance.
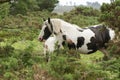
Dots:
(63, 43)
(70, 46)
(51, 26)
(60, 30)
(55, 33)
(80, 41)
(47, 33)
(49, 21)
(101, 35)
(64, 37)
(92, 45)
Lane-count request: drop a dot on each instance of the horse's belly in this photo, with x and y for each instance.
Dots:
(84, 50)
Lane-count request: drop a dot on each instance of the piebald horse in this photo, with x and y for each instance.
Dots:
(51, 43)
(85, 40)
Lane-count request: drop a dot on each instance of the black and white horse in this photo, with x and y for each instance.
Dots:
(51, 43)
(86, 40)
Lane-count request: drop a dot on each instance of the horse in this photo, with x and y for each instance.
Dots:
(86, 40)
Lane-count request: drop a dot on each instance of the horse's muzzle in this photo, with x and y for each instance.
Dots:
(41, 39)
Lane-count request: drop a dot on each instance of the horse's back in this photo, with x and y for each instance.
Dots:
(94, 38)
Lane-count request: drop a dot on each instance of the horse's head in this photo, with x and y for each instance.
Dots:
(50, 26)
(46, 30)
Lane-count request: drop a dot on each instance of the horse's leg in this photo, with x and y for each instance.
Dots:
(105, 52)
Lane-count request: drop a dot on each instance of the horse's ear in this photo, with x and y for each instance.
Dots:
(48, 20)
(44, 19)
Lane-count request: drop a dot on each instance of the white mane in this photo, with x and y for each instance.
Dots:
(56, 23)
(59, 24)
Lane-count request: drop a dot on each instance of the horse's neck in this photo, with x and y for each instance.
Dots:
(70, 30)
(66, 25)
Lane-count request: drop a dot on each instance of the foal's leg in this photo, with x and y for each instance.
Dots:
(46, 54)
(105, 52)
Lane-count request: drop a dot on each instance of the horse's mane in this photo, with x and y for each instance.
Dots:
(57, 23)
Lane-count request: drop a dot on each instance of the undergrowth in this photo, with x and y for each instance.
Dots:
(21, 54)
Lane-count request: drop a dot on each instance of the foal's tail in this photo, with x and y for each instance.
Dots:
(111, 33)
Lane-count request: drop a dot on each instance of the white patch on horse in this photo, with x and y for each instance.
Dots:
(112, 34)
(87, 34)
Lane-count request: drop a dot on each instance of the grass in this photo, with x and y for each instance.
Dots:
(23, 55)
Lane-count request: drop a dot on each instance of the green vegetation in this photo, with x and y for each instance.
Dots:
(82, 16)
(48, 5)
(21, 54)
(110, 15)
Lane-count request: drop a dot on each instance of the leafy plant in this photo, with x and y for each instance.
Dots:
(4, 10)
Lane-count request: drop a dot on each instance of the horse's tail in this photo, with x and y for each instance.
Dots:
(111, 33)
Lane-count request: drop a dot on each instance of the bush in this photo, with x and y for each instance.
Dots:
(82, 16)
(64, 66)
(110, 14)
(4, 10)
